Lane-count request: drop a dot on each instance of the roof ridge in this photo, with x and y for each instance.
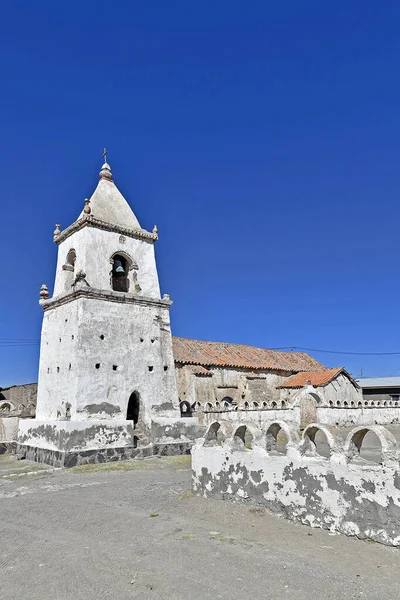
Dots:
(178, 337)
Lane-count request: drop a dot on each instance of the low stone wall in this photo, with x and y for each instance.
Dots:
(341, 492)
(340, 416)
(363, 415)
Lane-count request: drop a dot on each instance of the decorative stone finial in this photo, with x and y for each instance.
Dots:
(87, 210)
(155, 229)
(166, 297)
(80, 279)
(56, 232)
(44, 292)
(105, 172)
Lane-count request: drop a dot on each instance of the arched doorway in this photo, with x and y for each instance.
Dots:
(132, 413)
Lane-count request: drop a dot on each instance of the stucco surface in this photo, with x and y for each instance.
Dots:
(94, 250)
(95, 354)
(341, 492)
(8, 429)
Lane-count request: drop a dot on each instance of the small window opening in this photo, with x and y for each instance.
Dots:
(151, 368)
(165, 367)
(102, 336)
(115, 367)
(119, 274)
(97, 365)
(141, 339)
(72, 337)
(69, 366)
(58, 369)
(152, 340)
(185, 408)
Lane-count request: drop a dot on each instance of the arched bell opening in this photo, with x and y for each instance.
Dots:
(132, 413)
(119, 274)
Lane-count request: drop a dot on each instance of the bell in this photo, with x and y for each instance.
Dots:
(118, 268)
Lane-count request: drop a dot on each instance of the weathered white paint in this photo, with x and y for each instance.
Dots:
(75, 435)
(8, 429)
(137, 338)
(342, 493)
(94, 250)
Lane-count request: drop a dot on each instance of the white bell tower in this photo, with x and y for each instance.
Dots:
(106, 372)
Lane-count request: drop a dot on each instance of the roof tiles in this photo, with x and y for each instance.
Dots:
(223, 354)
(316, 378)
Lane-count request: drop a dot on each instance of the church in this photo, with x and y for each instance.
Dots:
(113, 382)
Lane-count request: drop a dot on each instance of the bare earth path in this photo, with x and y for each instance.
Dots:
(138, 532)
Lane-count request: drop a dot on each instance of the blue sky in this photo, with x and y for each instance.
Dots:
(262, 138)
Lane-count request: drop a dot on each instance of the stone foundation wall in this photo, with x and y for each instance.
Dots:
(341, 492)
(57, 458)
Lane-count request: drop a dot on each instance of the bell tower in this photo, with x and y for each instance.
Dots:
(106, 372)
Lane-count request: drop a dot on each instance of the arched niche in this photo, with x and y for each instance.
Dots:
(374, 444)
(69, 269)
(214, 435)
(317, 440)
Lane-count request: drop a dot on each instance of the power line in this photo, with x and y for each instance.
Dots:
(336, 351)
(33, 342)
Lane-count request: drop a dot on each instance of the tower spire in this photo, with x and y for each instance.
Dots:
(105, 172)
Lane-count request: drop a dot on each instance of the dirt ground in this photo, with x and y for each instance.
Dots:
(135, 530)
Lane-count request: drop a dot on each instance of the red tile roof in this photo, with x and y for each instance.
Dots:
(316, 378)
(199, 370)
(223, 354)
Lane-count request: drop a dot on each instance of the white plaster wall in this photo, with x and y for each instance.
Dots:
(186, 384)
(230, 382)
(259, 418)
(8, 429)
(340, 390)
(59, 361)
(94, 248)
(72, 436)
(358, 416)
(79, 325)
(355, 499)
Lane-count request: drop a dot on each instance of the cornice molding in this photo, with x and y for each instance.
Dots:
(89, 221)
(83, 291)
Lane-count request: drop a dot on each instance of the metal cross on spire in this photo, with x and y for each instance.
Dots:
(105, 155)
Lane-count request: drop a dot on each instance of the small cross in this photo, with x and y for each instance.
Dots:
(105, 155)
